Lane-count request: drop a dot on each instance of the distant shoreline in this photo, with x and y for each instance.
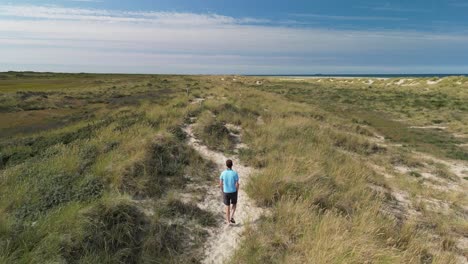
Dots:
(311, 76)
(308, 76)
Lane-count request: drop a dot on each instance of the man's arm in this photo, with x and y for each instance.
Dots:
(237, 185)
(221, 181)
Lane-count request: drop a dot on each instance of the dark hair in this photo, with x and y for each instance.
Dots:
(229, 163)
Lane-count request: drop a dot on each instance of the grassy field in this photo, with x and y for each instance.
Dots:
(352, 170)
(325, 174)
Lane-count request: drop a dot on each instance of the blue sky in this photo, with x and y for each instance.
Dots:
(238, 37)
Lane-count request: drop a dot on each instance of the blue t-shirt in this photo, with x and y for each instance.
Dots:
(229, 178)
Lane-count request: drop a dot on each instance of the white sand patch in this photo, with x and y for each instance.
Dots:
(232, 127)
(379, 137)
(369, 82)
(436, 205)
(400, 82)
(462, 244)
(292, 79)
(197, 101)
(405, 206)
(460, 135)
(403, 199)
(457, 167)
(234, 131)
(410, 82)
(431, 82)
(431, 179)
(400, 207)
(224, 240)
(402, 169)
(381, 170)
(429, 127)
(260, 121)
(430, 176)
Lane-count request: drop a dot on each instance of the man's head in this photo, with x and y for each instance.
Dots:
(229, 163)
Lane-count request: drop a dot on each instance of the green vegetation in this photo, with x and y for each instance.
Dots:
(323, 207)
(98, 187)
(214, 133)
(399, 113)
(92, 167)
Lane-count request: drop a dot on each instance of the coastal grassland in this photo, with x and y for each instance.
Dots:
(97, 181)
(328, 203)
(92, 167)
(421, 115)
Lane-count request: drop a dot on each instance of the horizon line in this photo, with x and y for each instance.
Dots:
(253, 74)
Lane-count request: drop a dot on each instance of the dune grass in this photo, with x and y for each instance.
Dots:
(99, 182)
(74, 193)
(315, 179)
(400, 113)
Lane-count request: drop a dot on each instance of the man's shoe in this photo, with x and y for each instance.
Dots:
(232, 221)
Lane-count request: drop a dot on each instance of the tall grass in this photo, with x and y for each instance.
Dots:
(315, 179)
(103, 188)
(75, 193)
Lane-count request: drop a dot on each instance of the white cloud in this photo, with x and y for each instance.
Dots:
(352, 18)
(87, 1)
(396, 8)
(88, 39)
(81, 14)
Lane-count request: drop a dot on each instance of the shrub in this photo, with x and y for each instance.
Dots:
(163, 166)
(214, 133)
(113, 233)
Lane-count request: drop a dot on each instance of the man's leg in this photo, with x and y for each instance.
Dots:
(228, 214)
(234, 203)
(233, 210)
(227, 203)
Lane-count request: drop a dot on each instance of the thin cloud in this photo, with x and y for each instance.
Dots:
(118, 41)
(87, 1)
(81, 14)
(351, 18)
(392, 8)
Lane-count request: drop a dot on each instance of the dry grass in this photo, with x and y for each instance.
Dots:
(315, 178)
(313, 144)
(74, 192)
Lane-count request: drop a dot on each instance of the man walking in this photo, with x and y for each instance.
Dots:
(229, 184)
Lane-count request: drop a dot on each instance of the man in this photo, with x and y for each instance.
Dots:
(229, 184)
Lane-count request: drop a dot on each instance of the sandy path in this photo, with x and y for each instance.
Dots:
(224, 240)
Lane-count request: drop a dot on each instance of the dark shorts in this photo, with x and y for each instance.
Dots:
(230, 198)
